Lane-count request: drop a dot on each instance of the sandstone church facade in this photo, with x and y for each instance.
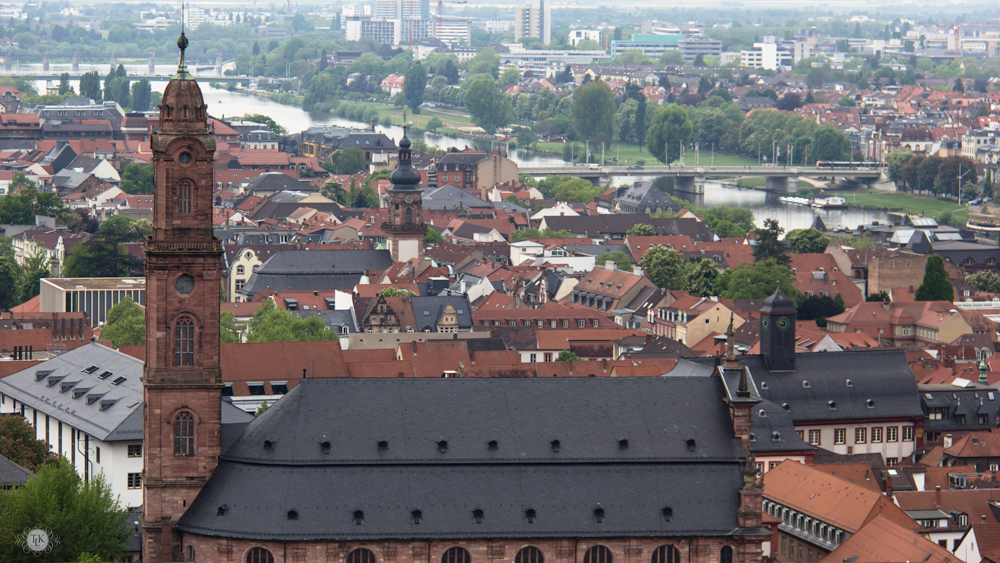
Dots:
(654, 470)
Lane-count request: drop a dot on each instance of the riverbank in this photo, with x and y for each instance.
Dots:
(906, 202)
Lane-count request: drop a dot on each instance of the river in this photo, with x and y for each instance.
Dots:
(765, 205)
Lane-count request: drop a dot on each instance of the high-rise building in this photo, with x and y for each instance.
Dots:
(534, 20)
(452, 30)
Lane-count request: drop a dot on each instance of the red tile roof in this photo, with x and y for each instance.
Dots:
(883, 540)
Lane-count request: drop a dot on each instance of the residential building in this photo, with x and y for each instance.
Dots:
(643, 197)
(93, 296)
(884, 539)
(695, 45)
(946, 515)
(417, 314)
(474, 170)
(767, 54)
(869, 401)
(818, 512)
(607, 288)
(578, 35)
(547, 61)
(957, 410)
(381, 30)
(452, 30)
(322, 142)
(690, 319)
(86, 404)
(534, 20)
(903, 324)
(300, 270)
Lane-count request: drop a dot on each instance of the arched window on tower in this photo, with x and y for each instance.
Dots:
(184, 434)
(409, 215)
(184, 190)
(184, 342)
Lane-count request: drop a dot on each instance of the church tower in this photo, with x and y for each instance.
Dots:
(182, 383)
(777, 332)
(405, 228)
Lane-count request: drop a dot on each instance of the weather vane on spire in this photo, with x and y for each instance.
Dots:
(404, 121)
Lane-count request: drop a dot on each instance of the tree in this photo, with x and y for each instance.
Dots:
(829, 144)
(271, 324)
(229, 331)
(414, 85)
(18, 443)
(819, 308)
(567, 356)
(806, 241)
(641, 230)
(486, 61)
(622, 260)
(948, 171)
(434, 124)
(756, 281)
(489, 108)
(895, 161)
(789, 102)
(126, 325)
(984, 281)
(348, 161)
(847, 102)
(84, 514)
(432, 237)
(526, 137)
(769, 244)
(141, 95)
(959, 86)
(394, 292)
(334, 190)
(35, 268)
(593, 110)
(137, 179)
(664, 267)
(880, 296)
(671, 128)
(266, 120)
(64, 87)
(701, 277)
(10, 274)
(935, 286)
(510, 76)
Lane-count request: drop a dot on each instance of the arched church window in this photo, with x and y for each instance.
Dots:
(184, 190)
(184, 342)
(259, 555)
(184, 434)
(409, 216)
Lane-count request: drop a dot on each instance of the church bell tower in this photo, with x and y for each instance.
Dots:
(405, 228)
(777, 332)
(182, 383)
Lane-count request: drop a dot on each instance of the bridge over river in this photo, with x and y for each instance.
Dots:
(781, 179)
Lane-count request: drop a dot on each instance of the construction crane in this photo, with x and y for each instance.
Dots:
(441, 12)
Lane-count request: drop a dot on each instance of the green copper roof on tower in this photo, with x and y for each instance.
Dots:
(182, 69)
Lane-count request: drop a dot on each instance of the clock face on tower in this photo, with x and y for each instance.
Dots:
(184, 284)
(783, 323)
(408, 199)
(764, 322)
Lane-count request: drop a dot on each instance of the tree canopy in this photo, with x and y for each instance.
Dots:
(806, 241)
(126, 324)
(936, 286)
(272, 324)
(671, 129)
(769, 244)
(88, 519)
(487, 105)
(594, 110)
(756, 281)
(18, 443)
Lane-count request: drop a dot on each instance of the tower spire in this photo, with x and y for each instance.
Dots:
(182, 43)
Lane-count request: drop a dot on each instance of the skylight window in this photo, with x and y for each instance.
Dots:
(91, 369)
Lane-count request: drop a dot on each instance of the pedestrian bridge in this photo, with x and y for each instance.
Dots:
(782, 179)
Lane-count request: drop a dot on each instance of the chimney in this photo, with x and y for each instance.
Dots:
(609, 265)
(637, 270)
(888, 486)
(947, 440)
(937, 495)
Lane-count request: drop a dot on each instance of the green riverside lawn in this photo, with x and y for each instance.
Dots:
(910, 203)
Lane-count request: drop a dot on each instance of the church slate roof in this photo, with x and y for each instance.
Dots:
(882, 376)
(302, 270)
(632, 482)
(12, 474)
